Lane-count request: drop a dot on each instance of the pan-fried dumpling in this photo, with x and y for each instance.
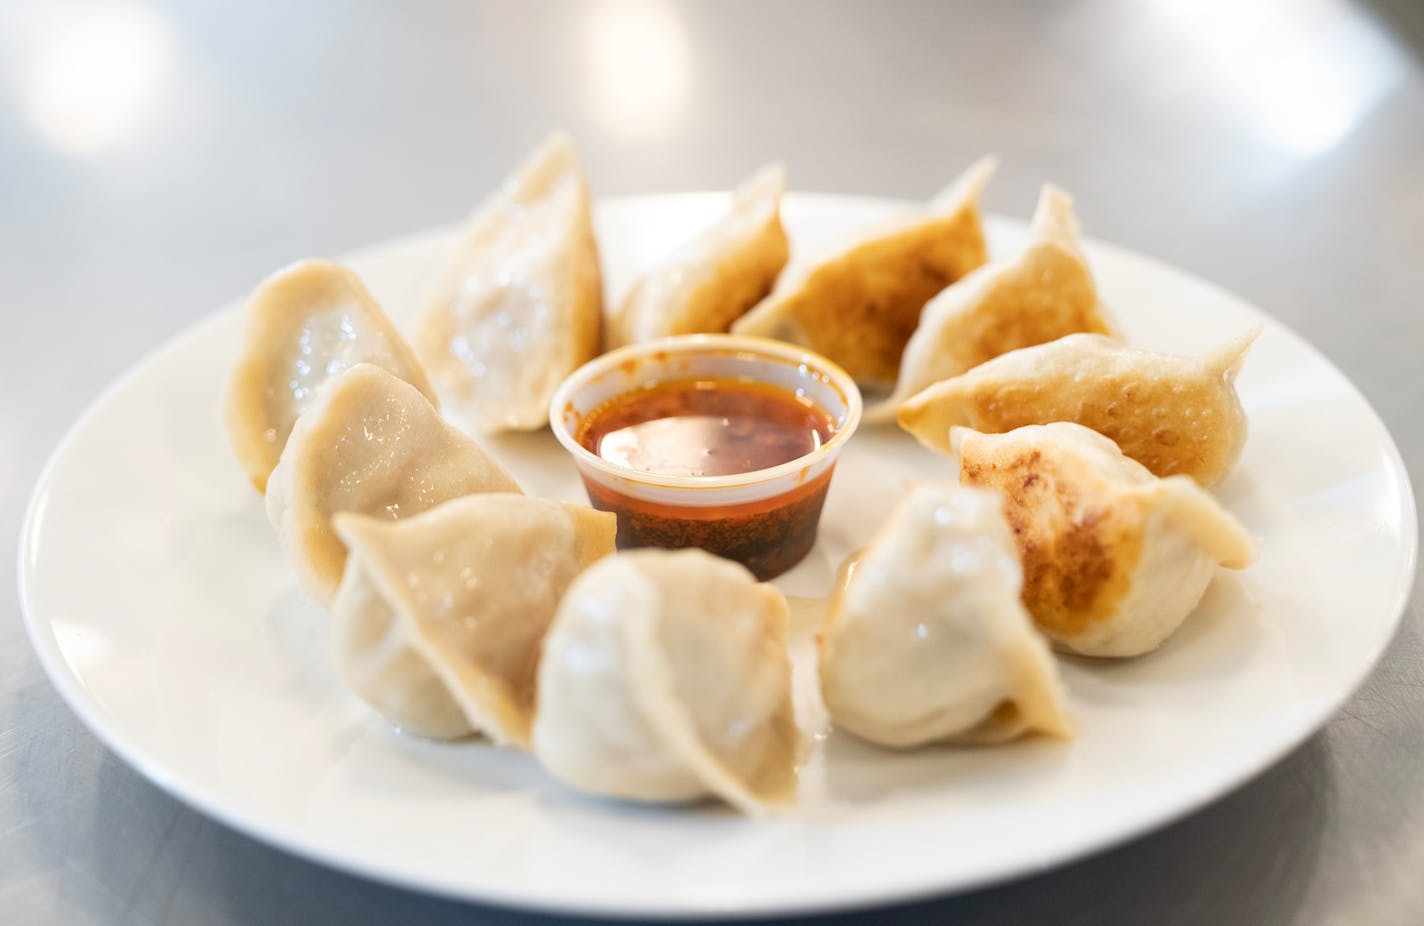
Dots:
(1114, 558)
(305, 324)
(1172, 414)
(665, 677)
(439, 618)
(927, 641)
(374, 445)
(1044, 293)
(520, 305)
(716, 277)
(859, 305)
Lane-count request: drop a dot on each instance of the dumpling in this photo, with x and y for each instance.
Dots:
(520, 305)
(665, 677)
(712, 280)
(1172, 414)
(1114, 558)
(305, 324)
(439, 618)
(927, 641)
(374, 445)
(859, 305)
(1044, 293)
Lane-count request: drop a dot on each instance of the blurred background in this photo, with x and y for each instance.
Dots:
(158, 158)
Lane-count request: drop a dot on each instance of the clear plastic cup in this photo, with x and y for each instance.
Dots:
(765, 519)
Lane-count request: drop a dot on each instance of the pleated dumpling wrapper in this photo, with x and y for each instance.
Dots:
(712, 280)
(374, 445)
(926, 640)
(859, 305)
(305, 324)
(1173, 414)
(439, 618)
(1114, 558)
(520, 305)
(665, 677)
(1043, 293)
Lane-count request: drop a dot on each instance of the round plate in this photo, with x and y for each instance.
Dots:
(165, 614)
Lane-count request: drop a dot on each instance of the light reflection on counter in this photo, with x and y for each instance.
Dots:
(88, 74)
(639, 62)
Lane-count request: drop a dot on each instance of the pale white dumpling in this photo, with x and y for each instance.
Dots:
(1114, 558)
(927, 641)
(1041, 294)
(859, 304)
(374, 445)
(439, 618)
(711, 281)
(1170, 413)
(665, 677)
(520, 305)
(305, 324)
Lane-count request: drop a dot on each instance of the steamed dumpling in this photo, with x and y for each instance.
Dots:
(859, 305)
(665, 677)
(1044, 293)
(305, 324)
(715, 278)
(439, 618)
(372, 444)
(521, 304)
(927, 641)
(1172, 414)
(1114, 558)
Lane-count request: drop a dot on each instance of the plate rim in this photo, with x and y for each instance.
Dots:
(208, 803)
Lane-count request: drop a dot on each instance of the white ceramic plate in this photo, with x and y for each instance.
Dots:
(163, 611)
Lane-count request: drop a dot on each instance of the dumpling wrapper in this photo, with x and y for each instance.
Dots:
(520, 305)
(440, 617)
(305, 324)
(859, 305)
(665, 677)
(712, 280)
(1114, 558)
(374, 445)
(926, 641)
(1173, 414)
(1042, 294)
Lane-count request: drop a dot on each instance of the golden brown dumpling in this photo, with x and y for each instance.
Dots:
(1114, 558)
(716, 277)
(373, 445)
(1044, 293)
(860, 305)
(440, 617)
(1172, 414)
(521, 304)
(305, 324)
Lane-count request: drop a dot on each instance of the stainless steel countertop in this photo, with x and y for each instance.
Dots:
(157, 158)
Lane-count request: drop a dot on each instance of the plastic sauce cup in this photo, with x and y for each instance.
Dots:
(765, 519)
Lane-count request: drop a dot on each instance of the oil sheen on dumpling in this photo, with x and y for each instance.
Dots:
(716, 277)
(520, 305)
(439, 618)
(927, 641)
(1114, 558)
(665, 677)
(373, 445)
(305, 324)
(859, 305)
(1170, 413)
(1042, 294)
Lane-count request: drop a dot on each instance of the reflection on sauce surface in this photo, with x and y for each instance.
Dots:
(705, 427)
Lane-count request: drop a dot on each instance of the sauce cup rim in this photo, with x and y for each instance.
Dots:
(764, 349)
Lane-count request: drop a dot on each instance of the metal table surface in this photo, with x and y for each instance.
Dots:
(158, 157)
